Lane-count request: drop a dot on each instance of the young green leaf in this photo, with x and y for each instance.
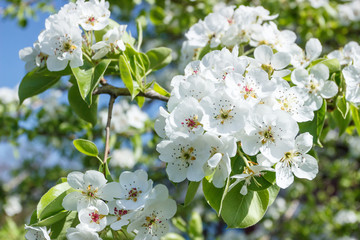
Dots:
(195, 228)
(159, 57)
(81, 108)
(51, 202)
(88, 77)
(355, 117)
(59, 229)
(37, 81)
(157, 88)
(125, 74)
(86, 147)
(343, 106)
(191, 191)
(53, 219)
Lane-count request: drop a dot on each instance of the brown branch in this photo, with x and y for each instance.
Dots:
(115, 91)
(107, 129)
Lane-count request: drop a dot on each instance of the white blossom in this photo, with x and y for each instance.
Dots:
(37, 233)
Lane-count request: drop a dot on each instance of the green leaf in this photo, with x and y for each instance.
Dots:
(157, 15)
(195, 225)
(86, 147)
(104, 168)
(273, 192)
(51, 202)
(172, 236)
(53, 219)
(343, 106)
(159, 57)
(191, 191)
(81, 108)
(355, 117)
(333, 64)
(337, 120)
(59, 229)
(140, 101)
(37, 81)
(157, 88)
(315, 126)
(125, 74)
(179, 223)
(264, 182)
(140, 33)
(88, 77)
(238, 211)
(33, 218)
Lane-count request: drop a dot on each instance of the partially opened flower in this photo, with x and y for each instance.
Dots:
(94, 217)
(120, 216)
(37, 233)
(82, 232)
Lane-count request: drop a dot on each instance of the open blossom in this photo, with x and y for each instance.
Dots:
(223, 114)
(62, 42)
(295, 161)
(112, 40)
(272, 63)
(185, 119)
(267, 130)
(350, 54)
(132, 189)
(185, 157)
(93, 14)
(316, 83)
(152, 222)
(90, 190)
(37, 233)
(301, 59)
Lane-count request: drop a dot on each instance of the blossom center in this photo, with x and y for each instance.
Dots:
(120, 212)
(224, 115)
(96, 217)
(91, 20)
(267, 135)
(134, 194)
(150, 221)
(188, 154)
(191, 122)
(90, 192)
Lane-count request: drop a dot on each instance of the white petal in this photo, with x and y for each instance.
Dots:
(263, 54)
(308, 169)
(244, 190)
(70, 201)
(250, 144)
(320, 71)
(54, 64)
(94, 178)
(214, 160)
(313, 49)
(304, 142)
(329, 89)
(280, 60)
(76, 180)
(284, 176)
(300, 77)
(111, 191)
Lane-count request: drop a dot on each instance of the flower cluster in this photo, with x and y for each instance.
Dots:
(349, 56)
(63, 41)
(225, 101)
(131, 202)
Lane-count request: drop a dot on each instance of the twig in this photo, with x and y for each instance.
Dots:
(107, 129)
(115, 91)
